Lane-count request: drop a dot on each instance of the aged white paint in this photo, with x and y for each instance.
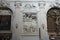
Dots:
(41, 8)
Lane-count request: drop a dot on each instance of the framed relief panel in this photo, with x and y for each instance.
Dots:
(30, 26)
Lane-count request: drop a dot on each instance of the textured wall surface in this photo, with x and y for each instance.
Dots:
(40, 7)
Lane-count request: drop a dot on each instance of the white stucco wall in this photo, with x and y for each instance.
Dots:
(41, 11)
(41, 20)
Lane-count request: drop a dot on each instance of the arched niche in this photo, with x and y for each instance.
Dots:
(5, 18)
(53, 21)
(7, 9)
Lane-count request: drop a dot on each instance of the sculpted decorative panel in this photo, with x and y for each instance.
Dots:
(30, 23)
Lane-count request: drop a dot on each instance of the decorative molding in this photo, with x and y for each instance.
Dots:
(57, 4)
(20, 4)
(17, 4)
(29, 6)
(42, 5)
(4, 4)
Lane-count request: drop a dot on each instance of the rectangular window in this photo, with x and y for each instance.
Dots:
(5, 22)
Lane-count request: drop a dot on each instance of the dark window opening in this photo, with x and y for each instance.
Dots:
(5, 22)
